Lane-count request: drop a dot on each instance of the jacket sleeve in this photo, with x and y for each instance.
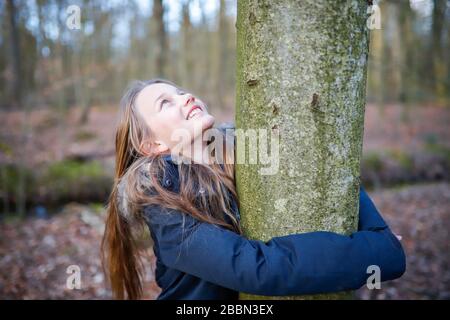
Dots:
(369, 217)
(306, 263)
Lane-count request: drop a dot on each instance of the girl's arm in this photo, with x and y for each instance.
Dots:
(307, 263)
(369, 217)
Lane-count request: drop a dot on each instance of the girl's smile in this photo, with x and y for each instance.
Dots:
(195, 110)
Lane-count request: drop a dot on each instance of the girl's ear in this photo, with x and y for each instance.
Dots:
(151, 148)
(160, 147)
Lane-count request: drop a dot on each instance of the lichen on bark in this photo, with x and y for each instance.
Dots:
(301, 68)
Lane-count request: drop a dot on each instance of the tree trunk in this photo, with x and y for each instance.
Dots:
(439, 71)
(15, 53)
(407, 48)
(17, 89)
(205, 45)
(161, 47)
(301, 69)
(221, 59)
(186, 58)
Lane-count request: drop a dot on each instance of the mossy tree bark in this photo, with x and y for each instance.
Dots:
(301, 69)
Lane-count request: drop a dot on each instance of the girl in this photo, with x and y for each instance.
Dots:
(191, 211)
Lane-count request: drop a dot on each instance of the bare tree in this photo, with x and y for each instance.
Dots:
(14, 52)
(161, 46)
(187, 50)
(437, 49)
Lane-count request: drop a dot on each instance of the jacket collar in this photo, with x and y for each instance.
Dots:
(171, 181)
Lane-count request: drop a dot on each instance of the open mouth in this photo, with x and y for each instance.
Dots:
(195, 110)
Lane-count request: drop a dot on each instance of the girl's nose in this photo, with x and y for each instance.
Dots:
(189, 99)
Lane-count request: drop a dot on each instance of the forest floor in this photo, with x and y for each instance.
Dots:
(35, 253)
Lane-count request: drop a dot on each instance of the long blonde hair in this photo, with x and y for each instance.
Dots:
(135, 174)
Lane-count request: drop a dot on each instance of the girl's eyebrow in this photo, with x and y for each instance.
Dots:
(159, 97)
(177, 90)
(164, 93)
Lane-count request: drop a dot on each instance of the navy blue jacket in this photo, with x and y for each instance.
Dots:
(197, 260)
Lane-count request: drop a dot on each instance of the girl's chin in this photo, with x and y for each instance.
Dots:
(207, 121)
(201, 123)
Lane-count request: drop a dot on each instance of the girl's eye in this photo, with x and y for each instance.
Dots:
(164, 102)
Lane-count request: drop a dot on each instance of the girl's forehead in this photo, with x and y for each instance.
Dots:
(155, 90)
(150, 94)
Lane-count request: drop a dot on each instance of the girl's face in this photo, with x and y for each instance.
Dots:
(168, 110)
